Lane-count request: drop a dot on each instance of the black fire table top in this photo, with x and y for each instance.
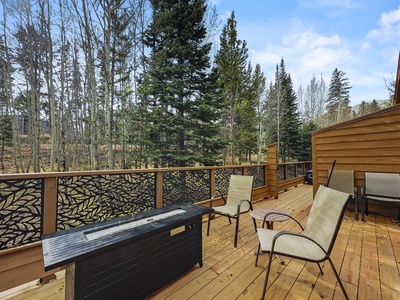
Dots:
(66, 246)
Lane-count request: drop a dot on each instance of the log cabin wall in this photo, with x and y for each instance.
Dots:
(367, 144)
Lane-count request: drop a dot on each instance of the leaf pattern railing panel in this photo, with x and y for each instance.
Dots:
(259, 175)
(222, 177)
(20, 212)
(291, 171)
(88, 199)
(186, 186)
(281, 173)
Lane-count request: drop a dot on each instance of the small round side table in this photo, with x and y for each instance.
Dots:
(259, 214)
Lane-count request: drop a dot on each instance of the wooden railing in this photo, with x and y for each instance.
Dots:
(35, 204)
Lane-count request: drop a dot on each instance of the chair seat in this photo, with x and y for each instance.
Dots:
(231, 209)
(379, 198)
(290, 245)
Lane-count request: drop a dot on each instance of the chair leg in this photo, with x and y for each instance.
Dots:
(320, 269)
(208, 226)
(338, 278)
(236, 231)
(255, 224)
(258, 253)
(362, 209)
(356, 207)
(267, 275)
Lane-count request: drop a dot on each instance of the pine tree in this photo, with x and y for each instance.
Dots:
(339, 97)
(281, 111)
(233, 80)
(178, 90)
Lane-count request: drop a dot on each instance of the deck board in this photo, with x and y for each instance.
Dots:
(367, 255)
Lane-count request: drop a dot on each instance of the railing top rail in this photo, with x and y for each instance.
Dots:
(115, 172)
(294, 162)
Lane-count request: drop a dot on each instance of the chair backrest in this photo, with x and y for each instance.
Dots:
(342, 180)
(382, 184)
(325, 216)
(240, 188)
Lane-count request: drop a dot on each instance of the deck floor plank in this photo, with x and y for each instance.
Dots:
(389, 273)
(366, 255)
(369, 271)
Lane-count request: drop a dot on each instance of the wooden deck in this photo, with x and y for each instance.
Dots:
(367, 255)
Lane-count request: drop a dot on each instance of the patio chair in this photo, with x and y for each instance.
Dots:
(315, 242)
(380, 187)
(343, 180)
(238, 201)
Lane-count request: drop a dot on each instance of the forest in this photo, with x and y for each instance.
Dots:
(120, 84)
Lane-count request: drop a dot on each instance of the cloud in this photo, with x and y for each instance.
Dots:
(392, 17)
(365, 46)
(226, 15)
(389, 29)
(310, 40)
(305, 53)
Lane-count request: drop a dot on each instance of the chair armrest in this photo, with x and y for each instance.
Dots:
(282, 214)
(215, 196)
(240, 204)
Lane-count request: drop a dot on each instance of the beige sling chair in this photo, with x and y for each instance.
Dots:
(380, 187)
(238, 201)
(343, 180)
(315, 242)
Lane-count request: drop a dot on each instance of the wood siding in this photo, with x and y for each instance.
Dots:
(367, 144)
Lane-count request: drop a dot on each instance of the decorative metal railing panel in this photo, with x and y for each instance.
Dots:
(222, 177)
(186, 186)
(291, 171)
(300, 170)
(88, 199)
(85, 199)
(259, 175)
(281, 173)
(20, 212)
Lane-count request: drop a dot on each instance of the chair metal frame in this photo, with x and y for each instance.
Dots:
(323, 196)
(238, 204)
(381, 187)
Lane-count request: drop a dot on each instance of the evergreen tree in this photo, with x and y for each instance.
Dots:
(258, 92)
(246, 121)
(305, 141)
(233, 81)
(282, 114)
(178, 90)
(339, 97)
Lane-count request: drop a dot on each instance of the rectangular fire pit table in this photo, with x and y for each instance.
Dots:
(128, 257)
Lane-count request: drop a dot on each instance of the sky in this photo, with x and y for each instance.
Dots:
(359, 37)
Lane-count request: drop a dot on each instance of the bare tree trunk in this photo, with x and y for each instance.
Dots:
(8, 88)
(87, 38)
(45, 10)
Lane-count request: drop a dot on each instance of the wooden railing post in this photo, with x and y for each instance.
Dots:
(159, 189)
(49, 205)
(49, 211)
(272, 176)
(212, 182)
